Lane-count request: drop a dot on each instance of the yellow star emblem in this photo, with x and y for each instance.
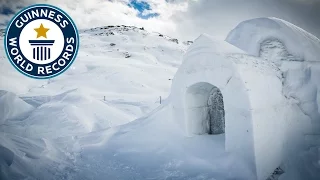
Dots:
(41, 31)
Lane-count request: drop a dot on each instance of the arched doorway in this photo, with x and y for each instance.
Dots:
(216, 117)
(205, 109)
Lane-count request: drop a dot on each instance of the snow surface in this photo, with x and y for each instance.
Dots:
(11, 106)
(102, 89)
(81, 125)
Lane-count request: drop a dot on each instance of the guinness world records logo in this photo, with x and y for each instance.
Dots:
(41, 41)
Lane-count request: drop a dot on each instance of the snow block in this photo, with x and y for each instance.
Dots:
(252, 97)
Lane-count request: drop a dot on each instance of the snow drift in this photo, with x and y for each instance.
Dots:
(12, 107)
(41, 120)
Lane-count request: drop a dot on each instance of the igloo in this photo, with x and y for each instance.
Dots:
(229, 90)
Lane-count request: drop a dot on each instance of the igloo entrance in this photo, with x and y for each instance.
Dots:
(205, 109)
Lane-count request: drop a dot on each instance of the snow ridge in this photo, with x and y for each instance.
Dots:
(123, 29)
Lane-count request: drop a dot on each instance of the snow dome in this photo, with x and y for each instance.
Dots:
(219, 89)
(243, 92)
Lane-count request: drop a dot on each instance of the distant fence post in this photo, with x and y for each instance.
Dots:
(160, 99)
(104, 98)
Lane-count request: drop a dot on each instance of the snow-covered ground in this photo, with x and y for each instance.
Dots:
(102, 119)
(119, 75)
(105, 88)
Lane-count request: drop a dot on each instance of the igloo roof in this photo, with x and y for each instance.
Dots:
(219, 62)
(249, 35)
(207, 43)
(241, 61)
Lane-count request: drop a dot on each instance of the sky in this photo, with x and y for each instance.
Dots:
(183, 19)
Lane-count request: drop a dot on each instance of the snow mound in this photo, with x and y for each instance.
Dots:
(27, 158)
(11, 106)
(250, 34)
(70, 113)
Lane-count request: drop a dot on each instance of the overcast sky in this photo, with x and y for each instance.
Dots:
(184, 19)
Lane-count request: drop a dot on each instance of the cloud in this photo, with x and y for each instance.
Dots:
(218, 17)
(93, 13)
(185, 19)
(145, 11)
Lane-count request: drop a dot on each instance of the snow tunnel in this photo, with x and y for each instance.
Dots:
(205, 109)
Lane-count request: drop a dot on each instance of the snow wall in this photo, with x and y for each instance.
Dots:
(252, 95)
(297, 55)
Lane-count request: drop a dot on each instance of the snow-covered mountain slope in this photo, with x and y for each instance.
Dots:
(119, 71)
(119, 75)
